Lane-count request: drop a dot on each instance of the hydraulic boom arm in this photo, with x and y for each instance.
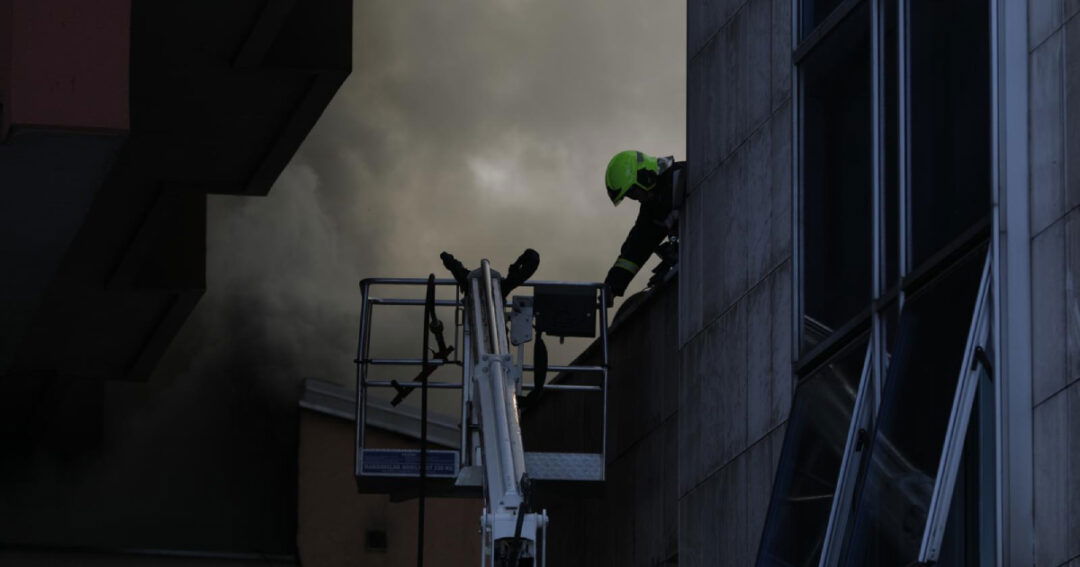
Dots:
(512, 535)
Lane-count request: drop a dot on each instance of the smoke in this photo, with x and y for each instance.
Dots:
(478, 127)
(481, 128)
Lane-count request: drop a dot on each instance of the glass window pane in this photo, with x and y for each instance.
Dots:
(810, 461)
(836, 179)
(970, 533)
(950, 121)
(814, 12)
(916, 403)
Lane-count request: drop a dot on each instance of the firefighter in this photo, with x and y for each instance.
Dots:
(658, 184)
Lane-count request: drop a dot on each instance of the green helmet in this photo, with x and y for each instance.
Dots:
(630, 169)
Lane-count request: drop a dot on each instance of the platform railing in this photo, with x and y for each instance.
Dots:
(364, 361)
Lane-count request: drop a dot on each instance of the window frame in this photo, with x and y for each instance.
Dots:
(858, 432)
(887, 294)
(1011, 246)
(979, 337)
(862, 391)
(867, 404)
(807, 359)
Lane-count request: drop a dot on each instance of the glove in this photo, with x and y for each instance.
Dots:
(457, 269)
(617, 280)
(609, 297)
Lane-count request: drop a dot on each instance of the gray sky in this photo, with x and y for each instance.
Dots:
(477, 127)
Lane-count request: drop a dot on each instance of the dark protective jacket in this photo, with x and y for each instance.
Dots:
(656, 219)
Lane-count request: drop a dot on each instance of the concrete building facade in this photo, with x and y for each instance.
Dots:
(634, 519)
(735, 276)
(876, 310)
(877, 314)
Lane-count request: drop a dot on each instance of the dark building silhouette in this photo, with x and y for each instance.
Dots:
(118, 118)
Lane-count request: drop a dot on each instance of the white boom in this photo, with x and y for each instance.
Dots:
(490, 459)
(512, 536)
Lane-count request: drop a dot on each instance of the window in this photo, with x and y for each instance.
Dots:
(892, 197)
(917, 403)
(837, 180)
(811, 458)
(968, 538)
(815, 12)
(950, 122)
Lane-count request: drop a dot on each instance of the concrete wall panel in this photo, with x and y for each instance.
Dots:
(735, 386)
(729, 51)
(721, 503)
(691, 534)
(1048, 295)
(780, 185)
(759, 371)
(1072, 466)
(768, 376)
(783, 380)
(707, 109)
(690, 268)
(762, 459)
(759, 205)
(1072, 111)
(690, 415)
(724, 238)
(1071, 311)
(1047, 133)
(1055, 267)
(756, 64)
(1072, 490)
(1044, 18)
(704, 18)
(1051, 473)
(698, 136)
(723, 391)
(781, 52)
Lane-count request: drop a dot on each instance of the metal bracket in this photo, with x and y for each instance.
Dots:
(980, 357)
(860, 440)
(521, 316)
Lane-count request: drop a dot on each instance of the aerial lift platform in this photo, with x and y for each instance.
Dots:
(488, 345)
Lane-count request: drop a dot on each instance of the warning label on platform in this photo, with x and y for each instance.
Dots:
(406, 462)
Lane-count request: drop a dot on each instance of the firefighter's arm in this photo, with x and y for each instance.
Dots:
(639, 245)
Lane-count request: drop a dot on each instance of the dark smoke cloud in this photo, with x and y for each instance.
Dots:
(479, 127)
(476, 127)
